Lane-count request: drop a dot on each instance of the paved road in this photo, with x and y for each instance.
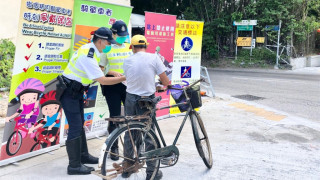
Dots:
(295, 93)
(246, 139)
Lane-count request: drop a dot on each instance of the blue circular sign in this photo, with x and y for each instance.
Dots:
(186, 44)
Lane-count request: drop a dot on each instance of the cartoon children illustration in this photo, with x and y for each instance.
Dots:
(50, 123)
(28, 94)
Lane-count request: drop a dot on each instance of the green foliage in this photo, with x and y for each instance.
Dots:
(300, 19)
(261, 57)
(7, 50)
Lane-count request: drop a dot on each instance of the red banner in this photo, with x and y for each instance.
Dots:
(160, 33)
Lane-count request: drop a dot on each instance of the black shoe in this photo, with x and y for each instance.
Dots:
(88, 159)
(114, 157)
(89, 167)
(80, 170)
(74, 154)
(157, 177)
(128, 169)
(126, 174)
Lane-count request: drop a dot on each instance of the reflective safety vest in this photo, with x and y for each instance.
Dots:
(72, 69)
(117, 56)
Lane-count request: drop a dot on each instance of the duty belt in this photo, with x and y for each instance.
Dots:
(75, 85)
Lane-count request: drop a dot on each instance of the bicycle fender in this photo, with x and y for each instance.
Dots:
(102, 151)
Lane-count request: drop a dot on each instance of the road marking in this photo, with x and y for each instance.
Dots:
(269, 115)
(268, 80)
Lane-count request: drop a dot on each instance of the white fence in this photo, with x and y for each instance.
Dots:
(301, 62)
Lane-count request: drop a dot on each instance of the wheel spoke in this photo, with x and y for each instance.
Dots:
(124, 162)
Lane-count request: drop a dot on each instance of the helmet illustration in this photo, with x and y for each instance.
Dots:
(49, 98)
(30, 85)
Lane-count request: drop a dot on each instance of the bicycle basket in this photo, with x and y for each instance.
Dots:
(193, 93)
(195, 97)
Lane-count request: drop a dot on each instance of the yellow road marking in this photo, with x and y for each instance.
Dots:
(78, 44)
(81, 42)
(259, 111)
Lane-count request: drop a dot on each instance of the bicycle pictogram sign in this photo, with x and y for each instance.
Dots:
(185, 72)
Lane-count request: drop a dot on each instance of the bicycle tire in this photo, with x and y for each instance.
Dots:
(201, 139)
(35, 147)
(118, 134)
(11, 140)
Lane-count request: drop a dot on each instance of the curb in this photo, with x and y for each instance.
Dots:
(271, 71)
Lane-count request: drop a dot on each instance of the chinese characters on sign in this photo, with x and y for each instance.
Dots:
(59, 18)
(187, 29)
(95, 10)
(158, 30)
(92, 9)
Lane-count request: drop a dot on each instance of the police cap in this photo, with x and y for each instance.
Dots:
(105, 33)
(120, 28)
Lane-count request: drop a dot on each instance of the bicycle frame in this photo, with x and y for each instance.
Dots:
(43, 138)
(20, 127)
(187, 113)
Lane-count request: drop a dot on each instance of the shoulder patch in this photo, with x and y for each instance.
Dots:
(90, 53)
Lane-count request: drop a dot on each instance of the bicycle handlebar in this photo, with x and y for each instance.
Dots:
(187, 87)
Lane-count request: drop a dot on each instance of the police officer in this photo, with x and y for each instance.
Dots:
(116, 94)
(83, 70)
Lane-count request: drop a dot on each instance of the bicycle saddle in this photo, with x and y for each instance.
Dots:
(148, 102)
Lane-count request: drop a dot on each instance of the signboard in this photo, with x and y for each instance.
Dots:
(245, 22)
(244, 28)
(260, 39)
(187, 54)
(42, 53)
(272, 27)
(160, 33)
(244, 41)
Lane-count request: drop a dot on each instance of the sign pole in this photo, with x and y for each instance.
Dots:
(237, 44)
(278, 45)
(251, 42)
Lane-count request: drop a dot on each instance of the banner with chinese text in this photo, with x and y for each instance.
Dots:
(160, 33)
(88, 17)
(42, 53)
(187, 54)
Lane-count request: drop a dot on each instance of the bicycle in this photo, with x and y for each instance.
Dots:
(42, 140)
(146, 149)
(15, 139)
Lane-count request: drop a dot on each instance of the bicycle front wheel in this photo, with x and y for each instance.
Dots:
(122, 157)
(14, 143)
(201, 139)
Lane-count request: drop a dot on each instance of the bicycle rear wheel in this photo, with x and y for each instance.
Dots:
(201, 139)
(36, 146)
(125, 161)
